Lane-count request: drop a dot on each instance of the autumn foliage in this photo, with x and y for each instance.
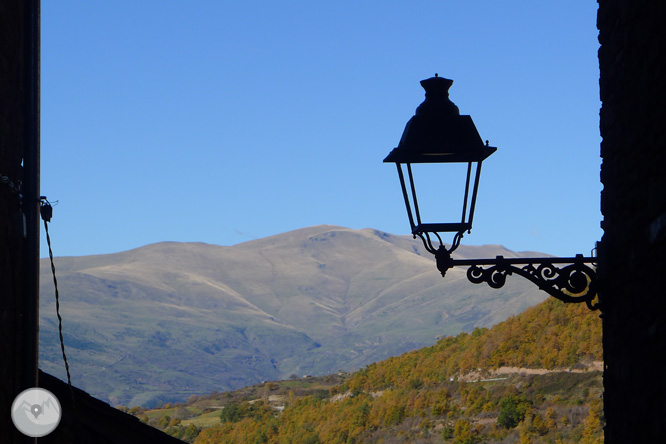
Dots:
(551, 335)
(422, 396)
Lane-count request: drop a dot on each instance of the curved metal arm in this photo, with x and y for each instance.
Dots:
(427, 243)
(573, 282)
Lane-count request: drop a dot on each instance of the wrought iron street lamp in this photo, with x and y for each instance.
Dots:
(438, 134)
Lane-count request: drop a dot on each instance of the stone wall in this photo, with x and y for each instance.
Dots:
(632, 253)
(19, 196)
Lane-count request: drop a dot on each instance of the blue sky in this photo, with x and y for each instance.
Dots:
(223, 122)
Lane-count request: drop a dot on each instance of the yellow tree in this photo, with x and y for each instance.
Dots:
(463, 433)
(593, 430)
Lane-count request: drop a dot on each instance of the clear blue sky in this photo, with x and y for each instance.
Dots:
(222, 122)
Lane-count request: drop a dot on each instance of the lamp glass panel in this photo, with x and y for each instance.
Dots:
(440, 191)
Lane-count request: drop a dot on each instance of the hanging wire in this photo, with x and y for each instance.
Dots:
(46, 211)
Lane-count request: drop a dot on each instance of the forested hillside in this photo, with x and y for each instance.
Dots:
(551, 335)
(530, 379)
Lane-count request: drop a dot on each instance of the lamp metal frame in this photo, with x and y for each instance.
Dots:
(439, 134)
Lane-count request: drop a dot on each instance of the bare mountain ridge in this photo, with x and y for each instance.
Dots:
(167, 320)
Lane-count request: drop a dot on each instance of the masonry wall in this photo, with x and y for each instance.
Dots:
(19, 197)
(632, 253)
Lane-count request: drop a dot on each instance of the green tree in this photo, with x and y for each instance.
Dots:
(512, 411)
(447, 432)
(164, 421)
(191, 432)
(232, 412)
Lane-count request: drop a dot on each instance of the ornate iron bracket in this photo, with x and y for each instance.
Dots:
(574, 281)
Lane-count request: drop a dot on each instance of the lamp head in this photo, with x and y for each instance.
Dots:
(437, 133)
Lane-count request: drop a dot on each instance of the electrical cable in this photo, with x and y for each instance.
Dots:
(46, 211)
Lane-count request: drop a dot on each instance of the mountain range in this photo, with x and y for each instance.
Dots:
(167, 320)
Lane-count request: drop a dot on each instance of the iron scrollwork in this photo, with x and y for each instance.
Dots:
(575, 281)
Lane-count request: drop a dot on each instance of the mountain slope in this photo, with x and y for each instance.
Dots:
(427, 395)
(168, 320)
